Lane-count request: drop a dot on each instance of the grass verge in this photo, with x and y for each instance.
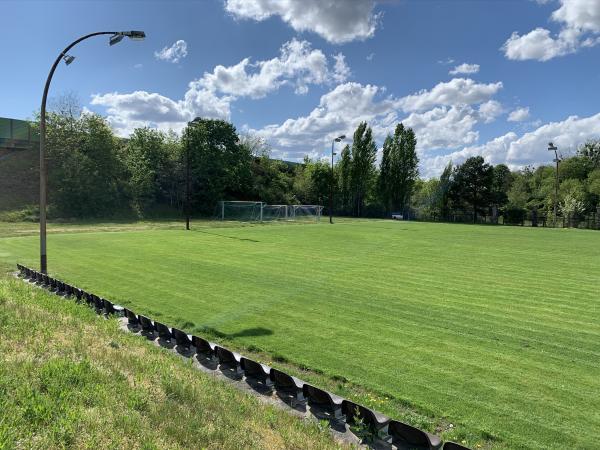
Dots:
(69, 379)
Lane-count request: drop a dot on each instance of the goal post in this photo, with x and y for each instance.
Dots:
(240, 210)
(250, 211)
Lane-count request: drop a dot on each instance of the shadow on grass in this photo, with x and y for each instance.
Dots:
(248, 332)
(228, 237)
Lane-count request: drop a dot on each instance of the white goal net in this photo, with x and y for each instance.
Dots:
(261, 212)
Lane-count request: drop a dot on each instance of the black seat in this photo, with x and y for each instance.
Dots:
(68, 289)
(377, 422)
(52, 283)
(146, 324)
(203, 347)
(287, 384)
(228, 359)
(107, 306)
(329, 402)
(78, 293)
(257, 371)
(38, 277)
(454, 446)
(406, 435)
(163, 331)
(98, 303)
(132, 318)
(60, 287)
(89, 299)
(181, 338)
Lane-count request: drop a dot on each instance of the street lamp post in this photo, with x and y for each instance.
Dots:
(337, 139)
(554, 148)
(116, 36)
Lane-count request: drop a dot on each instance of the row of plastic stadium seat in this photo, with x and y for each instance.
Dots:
(286, 386)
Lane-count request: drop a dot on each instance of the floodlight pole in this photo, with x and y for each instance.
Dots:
(43, 174)
(552, 147)
(187, 183)
(337, 139)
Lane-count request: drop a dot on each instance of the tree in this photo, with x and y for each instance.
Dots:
(86, 177)
(150, 165)
(472, 185)
(364, 152)
(591, 151)
(399, 168)
(344, 173)
(444, 190)
(220, 167)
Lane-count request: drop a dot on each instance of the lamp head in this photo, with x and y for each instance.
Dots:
(133, 35)
(68, 59)
(552, 147)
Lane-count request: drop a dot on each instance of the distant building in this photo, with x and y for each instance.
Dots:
(17, 135)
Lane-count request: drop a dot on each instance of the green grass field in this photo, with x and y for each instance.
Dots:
(488, 335)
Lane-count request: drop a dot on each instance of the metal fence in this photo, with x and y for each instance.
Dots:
(529, 219)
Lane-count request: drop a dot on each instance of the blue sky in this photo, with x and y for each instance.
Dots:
(490, 77)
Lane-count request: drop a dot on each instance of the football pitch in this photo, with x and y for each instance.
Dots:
(487, 334)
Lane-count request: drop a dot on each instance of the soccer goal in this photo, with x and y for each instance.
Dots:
(306, 212)
(261, 212)
(242, 211)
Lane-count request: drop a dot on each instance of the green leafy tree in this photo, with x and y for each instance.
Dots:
(86, 177)
(344, 170)
(591, 151)
(150, 165)
(220, 167)
(364, 152)
(472, 185)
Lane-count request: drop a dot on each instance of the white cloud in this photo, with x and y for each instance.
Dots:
(298, 65)
(519, 115)
(465, 69)
(444, 117)
(337, 21)
(529, 149)
(174, 53)
(454, 92)
(578, 19)
(490, 110)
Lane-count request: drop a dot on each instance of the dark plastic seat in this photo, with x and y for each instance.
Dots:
(52, 283)
(89, 299)
(329, 402)
(38, 277)
(256, 371)
(111, 308)
(132, 318)
(181, 338)
(288, 384)
(377, 422)
(163, 331)
(78, 293)
(20, 268)
(68, 290)
(203, 346)
(228, 359)
(146, 324)
(98, 303)
(406, 435)
(454, 446)
(60, 287)
(45, 280)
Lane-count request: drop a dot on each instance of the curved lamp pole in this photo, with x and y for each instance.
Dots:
(554, 148)
(116, 37)
(337, 139)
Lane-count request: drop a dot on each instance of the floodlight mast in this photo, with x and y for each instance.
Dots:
(337, 139)
(68, 59)
(554, 148)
